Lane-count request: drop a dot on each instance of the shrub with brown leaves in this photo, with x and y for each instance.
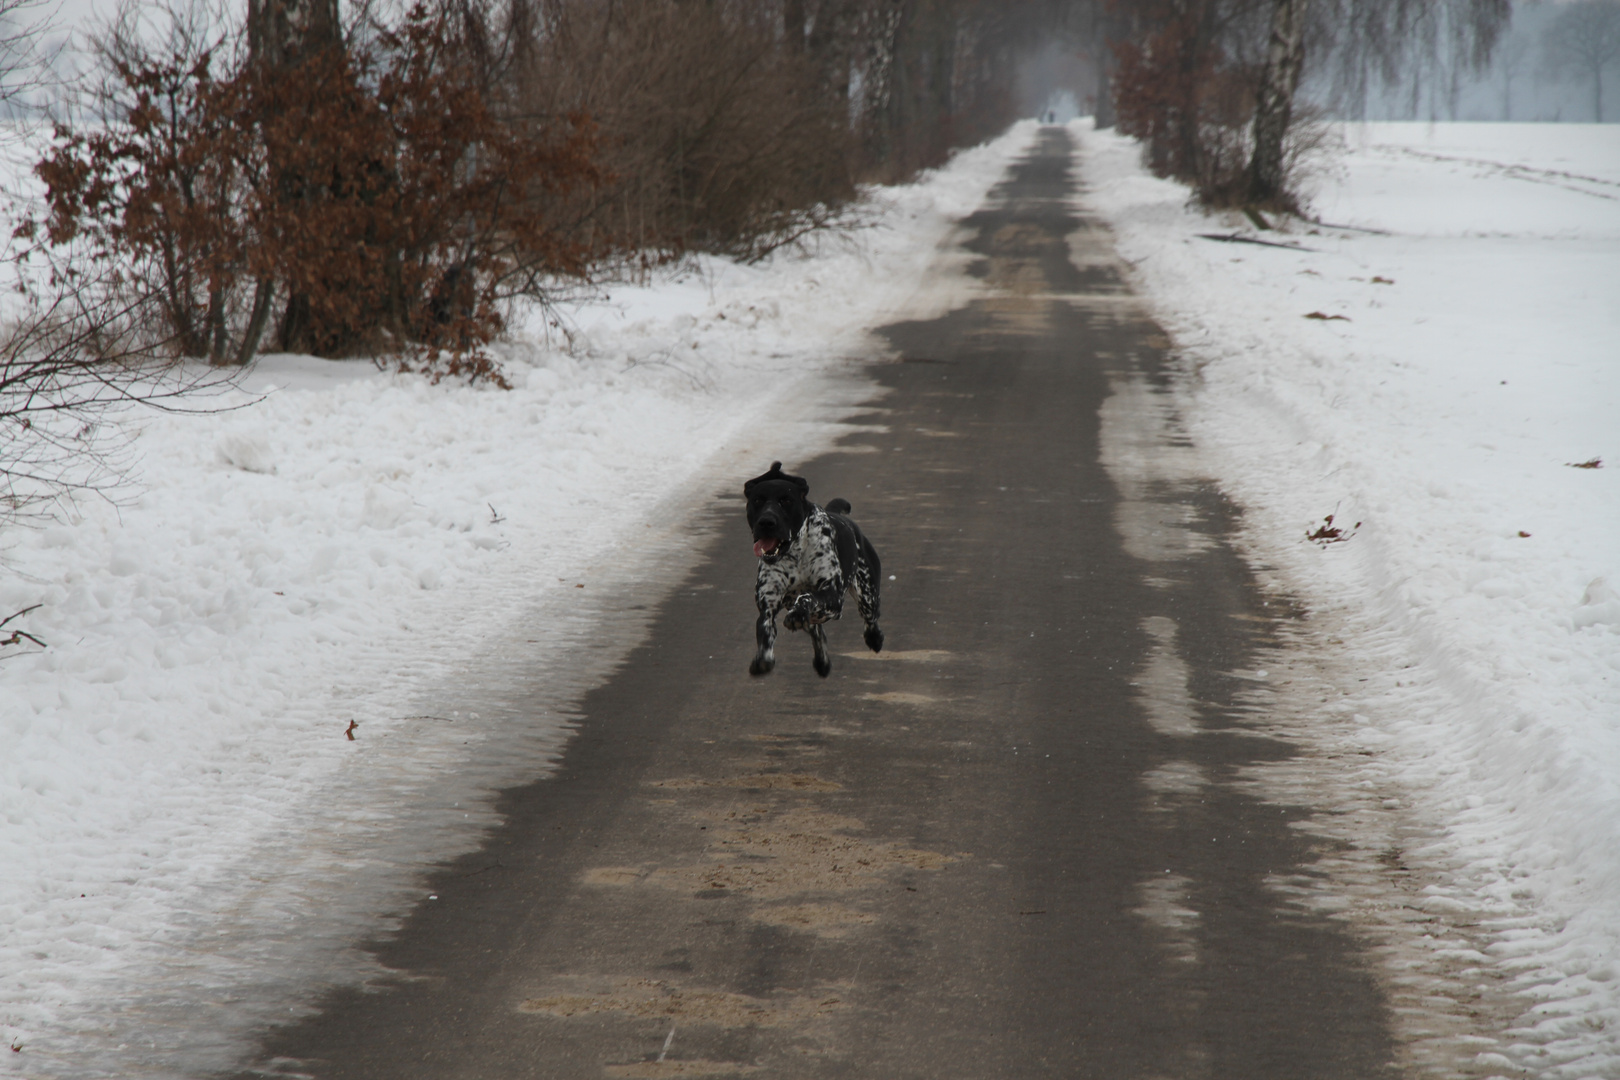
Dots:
(373, 193)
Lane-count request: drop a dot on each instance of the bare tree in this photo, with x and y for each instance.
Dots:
(73, 360)
(1274, 104)
(1358, 39)
(374, 185)
(1210, 86)
(1511, 58)
(71, 356)
(724, 125)
(25, 63)
(1103, 22)
(936, 74)
(1359, 45)
(1584, 39)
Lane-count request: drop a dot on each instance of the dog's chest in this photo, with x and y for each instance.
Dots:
(812, 562)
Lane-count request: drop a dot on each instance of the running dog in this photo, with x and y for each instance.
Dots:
(808, 558)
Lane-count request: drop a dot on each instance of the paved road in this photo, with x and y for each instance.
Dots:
(1013, 846)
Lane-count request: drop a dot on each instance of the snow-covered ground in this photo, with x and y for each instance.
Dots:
(190, 841)
(1435, 369)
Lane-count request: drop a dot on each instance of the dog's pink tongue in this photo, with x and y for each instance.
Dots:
(763, 548)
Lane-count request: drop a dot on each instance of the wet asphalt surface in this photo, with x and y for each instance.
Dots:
(960, 859)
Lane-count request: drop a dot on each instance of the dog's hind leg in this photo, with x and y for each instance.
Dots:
(818, 638)
(865, 587)
(874, 636)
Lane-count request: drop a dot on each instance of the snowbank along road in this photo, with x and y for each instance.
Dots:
(1025, 840)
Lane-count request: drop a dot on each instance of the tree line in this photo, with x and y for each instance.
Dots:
(355, 182)
(1212, 87)
(387, 180)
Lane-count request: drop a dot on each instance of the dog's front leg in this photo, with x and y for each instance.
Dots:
(811, 609)
(769, 591)
(801, 614)
(765, 636)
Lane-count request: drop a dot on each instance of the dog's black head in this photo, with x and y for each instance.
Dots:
(777, 507)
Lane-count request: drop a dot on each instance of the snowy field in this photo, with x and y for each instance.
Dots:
(1435, 369)
(191, 842)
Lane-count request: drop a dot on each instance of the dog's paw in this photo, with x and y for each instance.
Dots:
(761, 665)
(874, 639)
(823, 666)
(800, 615)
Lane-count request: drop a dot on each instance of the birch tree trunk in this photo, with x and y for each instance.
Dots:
(1285, 55)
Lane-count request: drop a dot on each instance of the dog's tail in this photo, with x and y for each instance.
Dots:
(840, 506)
